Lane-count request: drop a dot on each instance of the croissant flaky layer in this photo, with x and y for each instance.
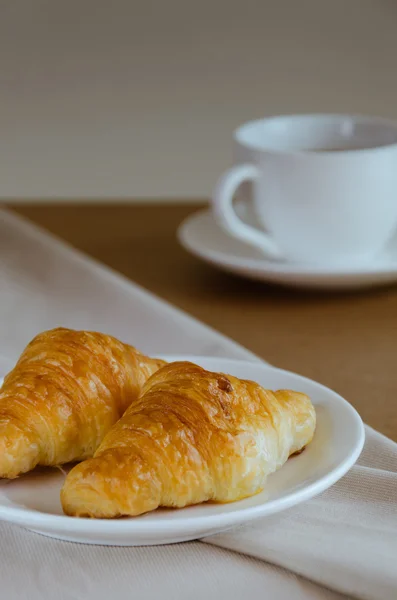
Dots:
(191, 437)
(64, 394)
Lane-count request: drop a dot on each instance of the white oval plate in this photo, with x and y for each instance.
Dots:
(201, 236)
(32, 501)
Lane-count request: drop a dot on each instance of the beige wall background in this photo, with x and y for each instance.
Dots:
(138, 99)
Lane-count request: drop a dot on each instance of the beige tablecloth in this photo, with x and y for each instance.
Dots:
(341, 544)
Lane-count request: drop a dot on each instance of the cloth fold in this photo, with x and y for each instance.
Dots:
(341, 544)
(346, 538)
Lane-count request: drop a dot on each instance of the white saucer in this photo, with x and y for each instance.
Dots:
(32, 501)
(201, 236)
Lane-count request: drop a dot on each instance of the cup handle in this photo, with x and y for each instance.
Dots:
(225, 214)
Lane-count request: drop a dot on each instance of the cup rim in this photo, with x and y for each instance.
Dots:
(358, 118)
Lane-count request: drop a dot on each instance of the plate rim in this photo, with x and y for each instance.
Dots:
(270, 267)
(30, 518)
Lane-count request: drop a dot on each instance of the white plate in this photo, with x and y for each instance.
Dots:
(201, 236)
(32, 501)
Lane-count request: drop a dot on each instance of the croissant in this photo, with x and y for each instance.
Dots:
(192, 436)
(64, 394)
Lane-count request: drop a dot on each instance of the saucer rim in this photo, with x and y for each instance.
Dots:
(259, 265)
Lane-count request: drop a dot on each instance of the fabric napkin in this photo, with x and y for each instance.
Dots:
(346, 538)
(342, 544)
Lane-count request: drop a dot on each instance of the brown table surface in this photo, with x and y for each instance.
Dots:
(346, 341)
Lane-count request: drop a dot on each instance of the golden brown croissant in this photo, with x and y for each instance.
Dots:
(192, 436)
(64, 394)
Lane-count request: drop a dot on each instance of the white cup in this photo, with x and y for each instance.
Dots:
(324, 187)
